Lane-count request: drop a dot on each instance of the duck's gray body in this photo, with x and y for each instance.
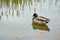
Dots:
(40, 19)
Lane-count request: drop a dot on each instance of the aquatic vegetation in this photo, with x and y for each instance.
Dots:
(17, 13)
(20, 2)
(40, 26)
(19, 5)
(13, 13)
(29, 2)
(44, 1)
(0, 17)
(35, 9)
(15, 2)
(56, 2)
(38, 0)
(2, 13)
(7, 2)
(6, 14)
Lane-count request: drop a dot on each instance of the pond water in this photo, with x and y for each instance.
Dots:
(21, 28)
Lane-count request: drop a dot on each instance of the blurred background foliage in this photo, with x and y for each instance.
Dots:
(19, 5)
(25, 1)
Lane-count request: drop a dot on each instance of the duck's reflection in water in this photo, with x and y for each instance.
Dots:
(40, 26)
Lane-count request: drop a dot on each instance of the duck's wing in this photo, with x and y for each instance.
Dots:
(41, 18)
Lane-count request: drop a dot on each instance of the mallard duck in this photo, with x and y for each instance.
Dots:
(39, 19)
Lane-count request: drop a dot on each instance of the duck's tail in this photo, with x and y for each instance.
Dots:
(47, 21)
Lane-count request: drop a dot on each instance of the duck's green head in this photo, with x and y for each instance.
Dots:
(35, 15)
